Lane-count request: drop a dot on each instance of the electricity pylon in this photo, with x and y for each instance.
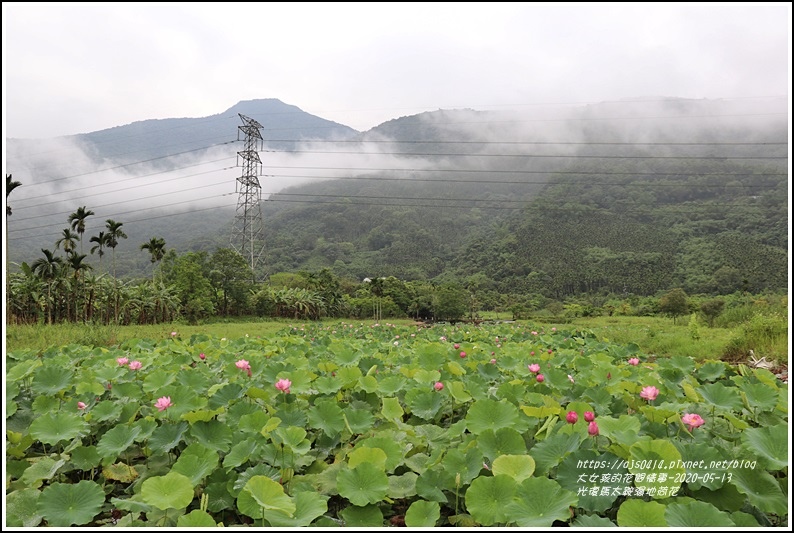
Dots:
(247, 230)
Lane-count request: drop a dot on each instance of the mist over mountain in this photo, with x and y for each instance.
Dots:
(622, 195)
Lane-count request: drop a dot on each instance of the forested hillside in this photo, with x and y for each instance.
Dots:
(616, 198)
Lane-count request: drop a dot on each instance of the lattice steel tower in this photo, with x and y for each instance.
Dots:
(247, 231)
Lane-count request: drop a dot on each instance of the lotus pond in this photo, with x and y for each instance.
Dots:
(356, 425)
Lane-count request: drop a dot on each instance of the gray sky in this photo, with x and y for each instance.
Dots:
(79, 67)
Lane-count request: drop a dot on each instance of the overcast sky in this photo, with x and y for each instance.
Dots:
(73, 68)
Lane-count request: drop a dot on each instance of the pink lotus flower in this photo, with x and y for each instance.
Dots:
(135, 365)
(242, 364)
(283, 385)
(122, 361)
(456, 345)
(202, 356)
(592, 429)
(634, 361)
(692, 420)
(438, 385)
(81, 405)
(549, 350)
(649, 393)
(540, 378)
(534, 332)
(532, 353)
(493, 361)
(462, 354)
(589, 416)
(173, 334)
(534, 368)
(553, 329)
(571, 417)
(163, 403)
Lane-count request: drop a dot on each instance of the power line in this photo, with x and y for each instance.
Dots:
(129, 179)
(131, 164)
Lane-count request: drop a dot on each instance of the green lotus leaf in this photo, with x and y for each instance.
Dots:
(538, 502)
(253, 422)
(362, 454)
(592, 522)
(770, 443)
(696, 514)
(44, 468)
(466, 465)
(106, 410)
(392, 410)
(308, 507)
(156, 381)
(67, 504)
(348, 376)
(359, 420)
(53, 428)
(490, 414)
(638, 513)
(201, 415)
(240, 453)
(368, 383)
(761, 488)
(115, 441)
(196, 518)
(225, 396)
(504, 441)
(167, 436)
(389, 442)
(403, 486)
(258, 470)
(22, 370)
(46, 404)
(422, 514)
(652, 458)
(719, 395)
(193, 379)
(85, 457)
(363, 484)
(327, 385)
(213, 434)
(261, 493)
(391, 385)
(744, 520)
(327, 416)
(550, 452)
(760, 396)
(366, 516)
(51, 379)
(21, 508)
(292, 437)
(424, 404)
(171, 491)
(196, 462)
(726, 498)
(458, 392)
(487, 499)
(345, 354)
(711, 371)
(685, 364)
(219, 497)
(518, 467)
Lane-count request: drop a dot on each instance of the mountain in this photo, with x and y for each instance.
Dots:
(628, 196)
